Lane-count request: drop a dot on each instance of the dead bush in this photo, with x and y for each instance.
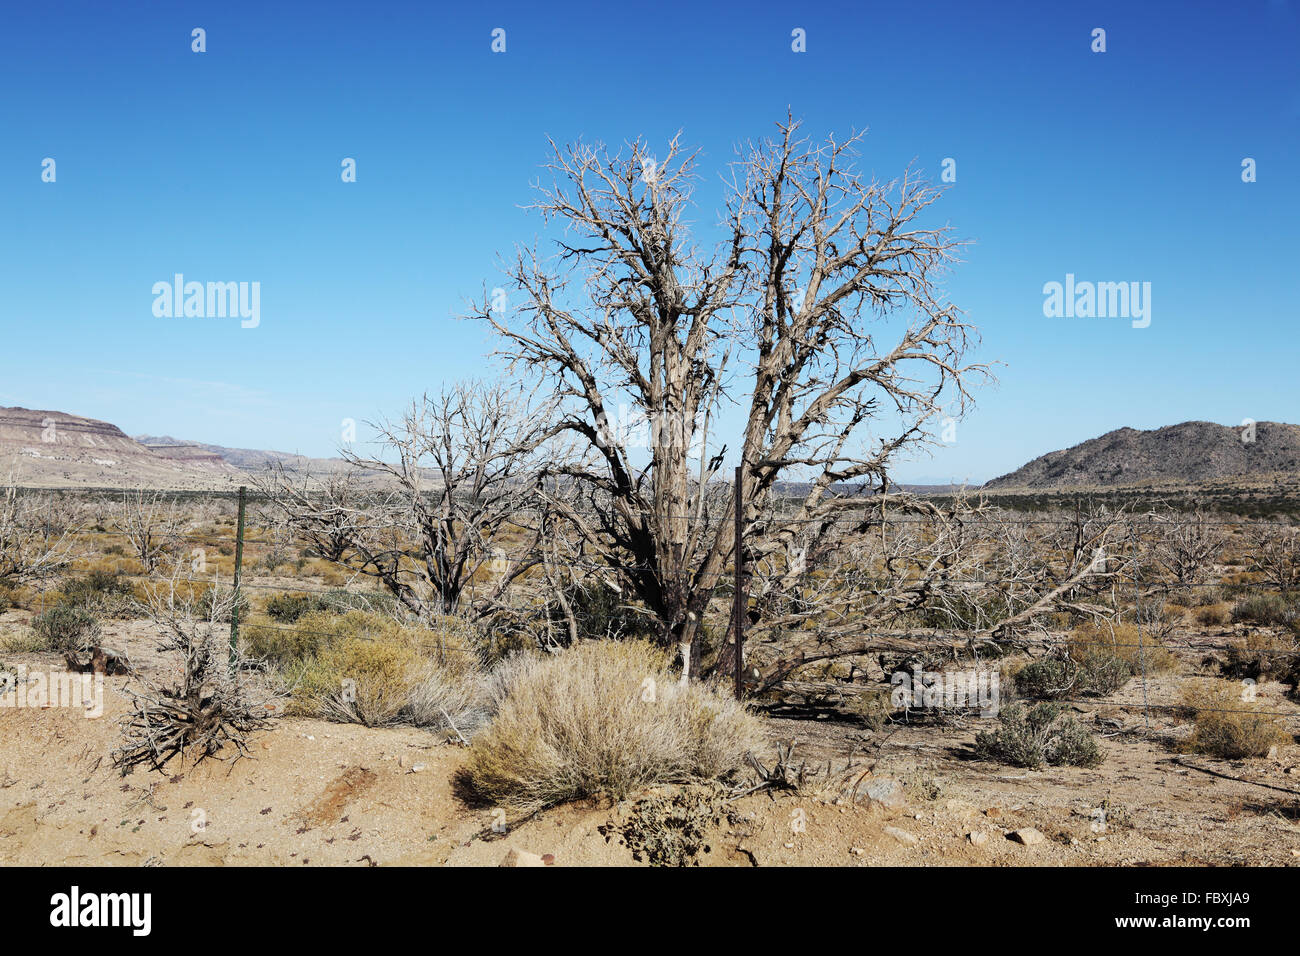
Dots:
(603, 717)
(216, 705)
(1141, 650)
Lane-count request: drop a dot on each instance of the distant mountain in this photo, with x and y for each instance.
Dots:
(1191, 453)
(42, 448)
(246, 459)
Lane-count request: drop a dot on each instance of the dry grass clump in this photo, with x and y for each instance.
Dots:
(603, 717)
(357, 681)
(371, 669)
(1140, 649)
(1228, 726)
(1214, 615)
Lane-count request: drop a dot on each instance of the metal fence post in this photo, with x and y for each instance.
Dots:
(738, 609)
(239, 571)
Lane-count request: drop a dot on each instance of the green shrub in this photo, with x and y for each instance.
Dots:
(1033, 736)
(288, 608)
(1265, 610)
(357, 681)
(97, 588)
(68, 629)
(603, 717)
(1092, 673)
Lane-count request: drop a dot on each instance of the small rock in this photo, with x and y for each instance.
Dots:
(789, 846)
(858, 851)
(1026, 835)
(993, 812)
(977, 837)
(902, 836)
(418, 768)
(882, 792)
(1273, 754)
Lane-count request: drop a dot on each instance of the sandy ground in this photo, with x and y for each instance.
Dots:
(316, 794)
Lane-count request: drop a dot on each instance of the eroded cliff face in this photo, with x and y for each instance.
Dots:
(43, 448)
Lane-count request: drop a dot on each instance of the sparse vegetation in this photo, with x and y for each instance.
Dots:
(1037, 735)
(1093, 672)
(1227, 725)
(67, 629)
(603, 718)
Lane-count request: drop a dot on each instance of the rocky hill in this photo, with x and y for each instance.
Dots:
(42, 448)
(1190, 453)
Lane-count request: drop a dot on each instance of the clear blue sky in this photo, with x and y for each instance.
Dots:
(1122, 166)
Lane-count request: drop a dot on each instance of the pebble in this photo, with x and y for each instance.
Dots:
(977, 837)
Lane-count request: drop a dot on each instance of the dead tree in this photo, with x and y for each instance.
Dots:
(458, 501)
(1185, 547)
(819, 312)
(927, 578)
(152, 524)
(1275, 554)
(37, 539)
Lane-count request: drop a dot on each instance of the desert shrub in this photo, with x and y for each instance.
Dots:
(1266, 610)
(1093, 672)
(1131, 644)
(1259, 656)
(357, 681)
(452, 703)
(1226, 725)
(359, 667)
(6, 598)
(1214, 615)
(603, 613)
(603, 717)
(670, 829)
(100, 589)
(288, 608)
(874, 707)
(1033, 736)
(1291, 675)
(67, 628)
(1208, 596)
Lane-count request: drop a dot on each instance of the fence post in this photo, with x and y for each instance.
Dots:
(239, 572)
(738, 608)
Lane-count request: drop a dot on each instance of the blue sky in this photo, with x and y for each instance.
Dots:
(224, 166)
